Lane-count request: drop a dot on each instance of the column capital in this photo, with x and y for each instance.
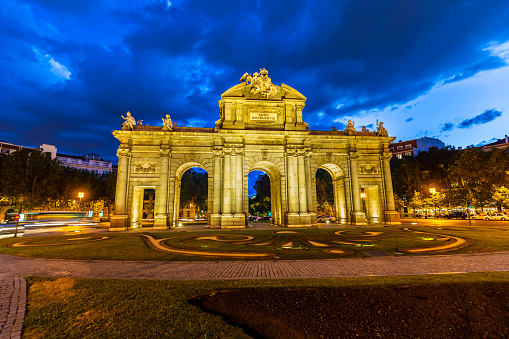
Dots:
(164, 151)
(233, 150)
(123, 151)
(218, 152)
(386, 155)
(352, 155)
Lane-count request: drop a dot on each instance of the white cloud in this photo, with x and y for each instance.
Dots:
(55, 67)
(59, 69)
(500, 50)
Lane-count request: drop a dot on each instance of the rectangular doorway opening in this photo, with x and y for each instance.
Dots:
(149, 198)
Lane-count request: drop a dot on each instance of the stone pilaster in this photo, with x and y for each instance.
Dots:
(161, 213)
(215, 218)
(120, 220)
(303, 208)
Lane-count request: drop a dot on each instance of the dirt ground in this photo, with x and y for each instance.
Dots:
(469, 310)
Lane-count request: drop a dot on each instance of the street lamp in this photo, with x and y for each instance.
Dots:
(432, 191)
(363, 198)
(81, 195)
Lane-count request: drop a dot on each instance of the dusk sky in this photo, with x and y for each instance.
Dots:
(70, 69)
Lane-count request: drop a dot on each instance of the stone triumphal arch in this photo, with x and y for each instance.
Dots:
(260, 128)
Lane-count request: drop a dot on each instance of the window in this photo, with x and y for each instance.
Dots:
(408, 146)
(400, 147)
(399, 156)
(408, 154)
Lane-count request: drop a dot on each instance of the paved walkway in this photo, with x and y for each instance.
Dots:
(13, 269)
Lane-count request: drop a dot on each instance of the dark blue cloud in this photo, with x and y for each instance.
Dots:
(487, 116)
(409, 119)
(448, 126)
(394, 108)
(153, 59)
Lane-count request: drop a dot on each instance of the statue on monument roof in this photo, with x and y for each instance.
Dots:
(350, 128)
(167, 124)
(260, 83)
(129, 120)
(380, 129)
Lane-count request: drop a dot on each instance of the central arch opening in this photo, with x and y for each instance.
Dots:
(324, 196)
(262, 171)
(192, 197)
(260, 208)
(330, 194)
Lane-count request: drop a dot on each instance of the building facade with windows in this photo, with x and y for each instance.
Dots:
(90, 162)
(413, 147)
(501, 144)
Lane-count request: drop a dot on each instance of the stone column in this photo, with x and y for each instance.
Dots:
(227, 185)
(339, 187)
(176, 203)
(392, 217)
(233, 181)
(292, 201)
(309, 182)
(161, 215)
(303, 205)
(119, 221)
(216, 204)
(358, 215)
(239, 175)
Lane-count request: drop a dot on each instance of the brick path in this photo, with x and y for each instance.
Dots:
(13, 288)
(12, 305)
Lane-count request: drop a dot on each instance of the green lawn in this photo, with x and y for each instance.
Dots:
(303, 244)
(87, 308)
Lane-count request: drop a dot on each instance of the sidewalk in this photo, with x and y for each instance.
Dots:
(13, 269)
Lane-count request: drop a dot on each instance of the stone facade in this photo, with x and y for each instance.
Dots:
(258, 129)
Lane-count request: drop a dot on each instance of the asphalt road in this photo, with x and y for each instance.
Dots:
(67, 227)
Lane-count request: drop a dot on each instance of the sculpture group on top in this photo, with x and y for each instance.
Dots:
(130, 122)
(350, 129)
(260, 83)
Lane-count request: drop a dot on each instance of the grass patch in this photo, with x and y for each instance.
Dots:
(108, 308)
(355, 242)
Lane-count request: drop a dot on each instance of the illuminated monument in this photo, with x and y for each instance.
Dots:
(260, 128)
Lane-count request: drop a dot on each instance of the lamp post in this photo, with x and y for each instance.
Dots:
(81, 195)
(363, 198)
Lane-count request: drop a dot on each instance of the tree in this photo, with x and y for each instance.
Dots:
(476, 173)
(260, 203)
(501, 197)
(417, 201)
(194, 189)
(324, 189)
(29, 176)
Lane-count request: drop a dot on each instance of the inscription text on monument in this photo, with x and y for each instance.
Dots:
(263, 114)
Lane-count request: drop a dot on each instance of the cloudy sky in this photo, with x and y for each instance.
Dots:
(70, 69)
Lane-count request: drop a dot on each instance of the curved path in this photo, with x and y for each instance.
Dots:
(13, 269)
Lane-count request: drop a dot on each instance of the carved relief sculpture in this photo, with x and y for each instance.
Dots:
(368, 169)
(145, 167)
(260, 83)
